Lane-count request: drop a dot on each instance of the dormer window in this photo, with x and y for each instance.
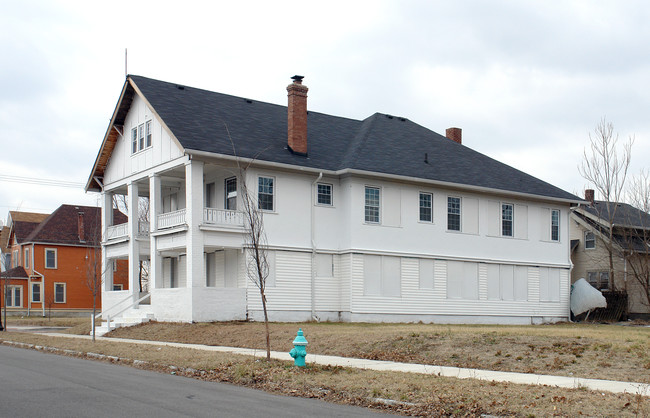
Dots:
(141, 137)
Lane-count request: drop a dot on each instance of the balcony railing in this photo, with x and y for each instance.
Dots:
(122, 230)
(171, 219)
(143, 229)
(225, 217)
(117, 231)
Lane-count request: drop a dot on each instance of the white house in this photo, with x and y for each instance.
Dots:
(372, 220)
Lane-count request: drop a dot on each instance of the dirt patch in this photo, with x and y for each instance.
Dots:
(577, 350)
(402, 393)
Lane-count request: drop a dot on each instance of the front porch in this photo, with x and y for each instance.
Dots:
(189, 232)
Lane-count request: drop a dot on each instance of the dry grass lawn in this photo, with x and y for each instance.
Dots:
(415, 395)
(579, 350)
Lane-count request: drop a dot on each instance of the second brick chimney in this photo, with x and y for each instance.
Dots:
(297, 114)
(455, 134)
(589, 196)
(80, 227)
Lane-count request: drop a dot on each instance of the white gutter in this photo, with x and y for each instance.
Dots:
(313, 248)
(395, 177)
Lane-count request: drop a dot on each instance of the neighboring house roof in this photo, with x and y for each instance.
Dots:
(15, 273)
(204, 121)
(625, 215)
(4, 239)
(630, 225)
(27, 216)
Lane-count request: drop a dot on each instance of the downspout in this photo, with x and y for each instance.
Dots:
(313, 247)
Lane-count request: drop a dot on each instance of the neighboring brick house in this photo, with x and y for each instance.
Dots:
(51, 256)
(590, 224)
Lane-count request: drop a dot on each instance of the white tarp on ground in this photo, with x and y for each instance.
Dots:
(585, 297)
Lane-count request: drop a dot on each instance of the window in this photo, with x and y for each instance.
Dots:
(50, 258)
(372, 204)
(134, 140)
(324, 265)
(382, 276)
(231, 193)
(426, 214)
(590, 240)
(141, 137)
(598, 279)
(148, 133)
(506, 219)
(117, 286)
(555, 225)
(59, 292)
(324, 194)
(12, 297)
(265, 193)
(15, 262)
(26, 258)
(453, 213)
(36, 292)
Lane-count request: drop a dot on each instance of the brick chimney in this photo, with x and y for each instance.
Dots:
(589, 196)
(80, 226)
(297, 113)
(455, 134)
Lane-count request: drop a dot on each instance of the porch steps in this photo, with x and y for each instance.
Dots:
(133, 316)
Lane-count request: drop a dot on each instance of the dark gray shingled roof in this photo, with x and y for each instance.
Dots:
(624, 216)
(381, 143)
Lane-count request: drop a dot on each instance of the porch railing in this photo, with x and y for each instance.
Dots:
(226, 217)
(122, 230)
(143, 229)
(171, 219)
(117, 231)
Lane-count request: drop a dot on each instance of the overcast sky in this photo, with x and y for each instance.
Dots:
(527, 81)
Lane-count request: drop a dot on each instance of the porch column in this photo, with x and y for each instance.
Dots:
(194, 218)
(155, 208)
(134, 251)
(107, 220)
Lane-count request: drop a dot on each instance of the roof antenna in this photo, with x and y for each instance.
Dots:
(126, 62)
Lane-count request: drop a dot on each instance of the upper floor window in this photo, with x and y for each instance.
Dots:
(148, 133)
(26, 258)
(15, 262)
(555, 225)
(426, 211)
(231, 193)
(590, 240)
(372, 204)
(50, 258)
(141, 137)
(265, 193)
(324, 194)
(453, 213)
(506, 219)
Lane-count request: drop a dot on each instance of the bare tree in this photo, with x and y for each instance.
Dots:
(257, 265)
(639, 191)
(94, 268)
(605, 166)
(120, 203)
(636, 238)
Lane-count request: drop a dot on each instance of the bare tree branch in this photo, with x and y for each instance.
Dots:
(605, 167)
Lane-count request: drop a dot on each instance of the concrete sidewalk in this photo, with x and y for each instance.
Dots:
(457, 372)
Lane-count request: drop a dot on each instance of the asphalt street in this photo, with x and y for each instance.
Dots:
(37, 384)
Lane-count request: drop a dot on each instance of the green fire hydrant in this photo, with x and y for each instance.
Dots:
(299, 351)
